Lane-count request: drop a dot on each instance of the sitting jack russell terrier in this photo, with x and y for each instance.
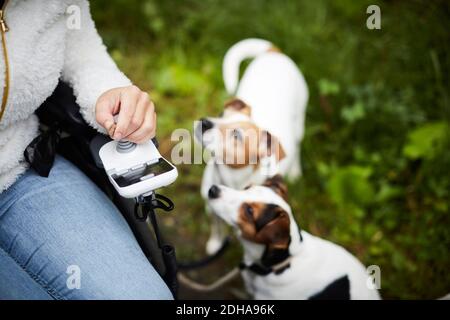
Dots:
(280, 261)
(259, 132)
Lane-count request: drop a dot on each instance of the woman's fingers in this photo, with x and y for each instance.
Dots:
(104, 113)
(146, 131)
(128, 102)
(136, 120)
(143, 106)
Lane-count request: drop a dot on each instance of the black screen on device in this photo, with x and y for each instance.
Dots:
(157, 168)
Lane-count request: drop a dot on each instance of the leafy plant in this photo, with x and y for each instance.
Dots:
(426, 141)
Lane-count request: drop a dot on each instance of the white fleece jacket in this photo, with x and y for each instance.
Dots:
(42, 50)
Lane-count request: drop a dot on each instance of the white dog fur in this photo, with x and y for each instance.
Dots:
(315, 263)
(277, 94)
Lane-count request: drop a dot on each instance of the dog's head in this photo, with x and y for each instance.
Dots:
(259, 214)
(235, 140)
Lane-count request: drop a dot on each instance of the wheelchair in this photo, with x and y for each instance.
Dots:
(64, 131)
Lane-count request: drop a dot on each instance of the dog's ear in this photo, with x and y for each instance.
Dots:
(238, 105)
(273, 226)
(263, 223)
(269, 146)
(276, 183)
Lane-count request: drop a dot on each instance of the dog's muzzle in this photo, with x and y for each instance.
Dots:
(214, 192)
(206, 124)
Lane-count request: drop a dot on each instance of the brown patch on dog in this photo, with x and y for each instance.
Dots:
(240, 144)
(266, 224)
(276, 183)
(245, 144)
(238, 105)
(274, 49)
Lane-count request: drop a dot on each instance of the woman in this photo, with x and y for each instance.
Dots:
(60, 237)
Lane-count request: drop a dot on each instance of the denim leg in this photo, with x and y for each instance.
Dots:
(62, 231)
(15, 282)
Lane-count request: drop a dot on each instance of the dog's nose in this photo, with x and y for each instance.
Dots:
(214, 192)
(206, 124)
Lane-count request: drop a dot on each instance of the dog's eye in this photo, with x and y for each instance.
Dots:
(248, 187)
(236, 134)
(249, 211)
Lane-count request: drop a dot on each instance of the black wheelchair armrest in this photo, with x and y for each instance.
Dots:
(62, 110)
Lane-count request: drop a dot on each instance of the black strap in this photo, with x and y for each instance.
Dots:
(203, 262)
(261, 269)
(257, 268)
(145, 208)
(270, 258)
(41, 152)
(147, 204)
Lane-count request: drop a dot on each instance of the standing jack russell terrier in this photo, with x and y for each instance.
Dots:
(281, 261)
(259, 132)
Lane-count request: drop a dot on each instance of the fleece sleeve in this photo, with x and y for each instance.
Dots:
(88, 68)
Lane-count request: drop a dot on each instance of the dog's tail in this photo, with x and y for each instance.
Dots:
(248, 48)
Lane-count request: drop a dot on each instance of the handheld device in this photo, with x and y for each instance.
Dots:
(136, 169)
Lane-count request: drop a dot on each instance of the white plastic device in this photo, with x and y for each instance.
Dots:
(136, 169)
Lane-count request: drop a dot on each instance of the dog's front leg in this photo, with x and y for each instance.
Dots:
(218, 232)
(218, 227)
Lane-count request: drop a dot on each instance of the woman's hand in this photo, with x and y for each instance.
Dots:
(137, 117)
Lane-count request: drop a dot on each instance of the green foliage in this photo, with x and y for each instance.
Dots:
(179, 80)
(351, 186)
(376, 151)
(354, 112)
(426, 141)
(327, 87)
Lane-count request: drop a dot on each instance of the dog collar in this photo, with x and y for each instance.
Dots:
(272, 261)
(263, 270)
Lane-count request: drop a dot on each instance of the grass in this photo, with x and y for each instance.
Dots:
(376, 149)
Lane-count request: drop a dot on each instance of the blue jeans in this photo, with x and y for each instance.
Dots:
(62, 238)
